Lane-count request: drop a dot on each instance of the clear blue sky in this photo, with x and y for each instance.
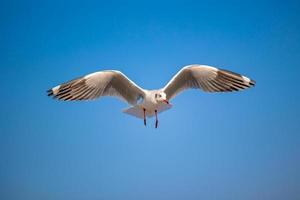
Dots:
(209, 146)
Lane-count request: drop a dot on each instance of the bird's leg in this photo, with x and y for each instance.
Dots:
(145, 123)
(156, 120)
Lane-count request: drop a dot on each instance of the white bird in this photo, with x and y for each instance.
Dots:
(147, 103)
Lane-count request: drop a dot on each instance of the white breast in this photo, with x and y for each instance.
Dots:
(149, 103)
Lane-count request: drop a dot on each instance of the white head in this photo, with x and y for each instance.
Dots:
(161, 97)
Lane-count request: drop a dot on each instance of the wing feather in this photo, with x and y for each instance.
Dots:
(92, 86)
(207, 78)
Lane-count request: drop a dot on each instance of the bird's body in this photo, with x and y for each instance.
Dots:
(148, 103)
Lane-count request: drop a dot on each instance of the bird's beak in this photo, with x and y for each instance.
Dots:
(166, 101)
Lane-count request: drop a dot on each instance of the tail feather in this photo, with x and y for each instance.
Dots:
(135, 111)
(138, 112)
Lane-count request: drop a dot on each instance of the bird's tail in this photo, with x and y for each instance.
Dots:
(137, 110)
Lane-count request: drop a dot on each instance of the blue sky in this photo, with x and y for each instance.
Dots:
(208, 146)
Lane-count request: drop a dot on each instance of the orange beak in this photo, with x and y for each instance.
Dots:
(166, 101)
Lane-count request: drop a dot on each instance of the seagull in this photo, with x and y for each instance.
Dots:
(148, 103)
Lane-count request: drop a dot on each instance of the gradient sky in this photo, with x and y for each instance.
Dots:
(209, 146)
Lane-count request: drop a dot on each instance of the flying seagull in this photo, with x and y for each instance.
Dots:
(147, 103)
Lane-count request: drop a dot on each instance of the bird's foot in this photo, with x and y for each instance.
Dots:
(145, 123)
(156, 119)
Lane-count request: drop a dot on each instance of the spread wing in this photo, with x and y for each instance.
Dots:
(207, 78)
(102, 83)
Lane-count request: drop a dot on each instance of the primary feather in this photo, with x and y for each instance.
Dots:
(207, 78)
(92, 86)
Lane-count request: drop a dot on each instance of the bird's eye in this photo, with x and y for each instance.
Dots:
(159, 95)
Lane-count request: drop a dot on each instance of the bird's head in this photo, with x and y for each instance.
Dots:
(161, 97)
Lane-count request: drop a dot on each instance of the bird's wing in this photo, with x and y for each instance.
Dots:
(102, 83)
(207, 78)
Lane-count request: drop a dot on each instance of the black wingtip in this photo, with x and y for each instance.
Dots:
(50, 92)
(252, 82)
